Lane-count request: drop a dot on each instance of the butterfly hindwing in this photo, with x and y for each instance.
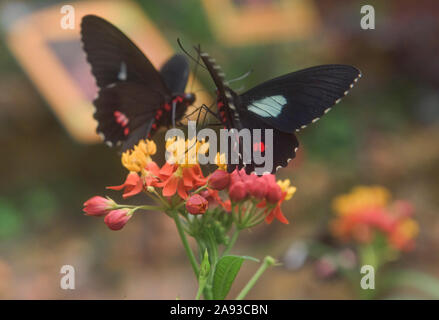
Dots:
(123, 108)
(291, 102)
(284, 147)
(175, 73)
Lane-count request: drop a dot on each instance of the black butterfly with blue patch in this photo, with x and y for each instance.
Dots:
(285, 104)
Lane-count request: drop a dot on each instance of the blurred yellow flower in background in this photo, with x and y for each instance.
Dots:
(366, 212)
(361, 197)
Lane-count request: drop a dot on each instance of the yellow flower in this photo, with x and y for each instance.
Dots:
(359, 198)
(285, 187)
(185, 152)
(220, 161)
(136, 159)
(408, 228)
(148, 147)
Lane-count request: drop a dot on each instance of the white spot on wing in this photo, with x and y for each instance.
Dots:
(122, 76)
(269, 106)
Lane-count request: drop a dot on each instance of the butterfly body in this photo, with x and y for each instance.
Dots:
(134, 99)
(283, 105)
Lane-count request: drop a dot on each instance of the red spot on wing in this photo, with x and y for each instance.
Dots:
(121, 118)
(259, 146)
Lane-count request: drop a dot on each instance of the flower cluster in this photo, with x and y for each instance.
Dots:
(366, 212)
(180, 183)
(265, 192)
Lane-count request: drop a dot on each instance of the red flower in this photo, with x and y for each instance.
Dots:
(257, 187)
(211, 196)
(237, 191)
(219, 180)
(132, 185)
(227, 205)
(98, 206)
(117, 219)
(274, 193)
(196, 204)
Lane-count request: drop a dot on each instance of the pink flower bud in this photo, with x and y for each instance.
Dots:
(117, 219)
(98, 206)
(274, 193)
(238, 176)
(196, 204)
(257, 188)
(219, 180)
(237, 191)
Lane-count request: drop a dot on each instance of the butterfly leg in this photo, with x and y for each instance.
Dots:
(174, 106)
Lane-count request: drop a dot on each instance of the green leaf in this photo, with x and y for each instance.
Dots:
(422, 282)
(226, 270)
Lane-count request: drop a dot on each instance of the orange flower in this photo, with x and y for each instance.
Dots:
(277, 213)
(151, 174)
(132, 185)
(366, 210)
(180, 180)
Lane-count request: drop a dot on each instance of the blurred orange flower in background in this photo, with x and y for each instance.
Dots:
(368, 211)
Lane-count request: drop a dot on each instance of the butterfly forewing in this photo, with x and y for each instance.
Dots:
(114, 57)
(291, 102)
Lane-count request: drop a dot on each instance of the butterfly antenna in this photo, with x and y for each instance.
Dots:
(245, 75)
(188, 54)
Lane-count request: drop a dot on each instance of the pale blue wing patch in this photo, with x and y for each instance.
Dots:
(269, 106)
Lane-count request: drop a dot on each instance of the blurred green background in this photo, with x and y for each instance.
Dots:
(386, 131)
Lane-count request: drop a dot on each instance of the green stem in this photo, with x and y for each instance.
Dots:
(268, 261)
(188, 249)
(153, 208)
(231, 242)
(200, 291)
(155, 195)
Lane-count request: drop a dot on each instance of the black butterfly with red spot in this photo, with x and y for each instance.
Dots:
(134, 99)
(285, 104)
